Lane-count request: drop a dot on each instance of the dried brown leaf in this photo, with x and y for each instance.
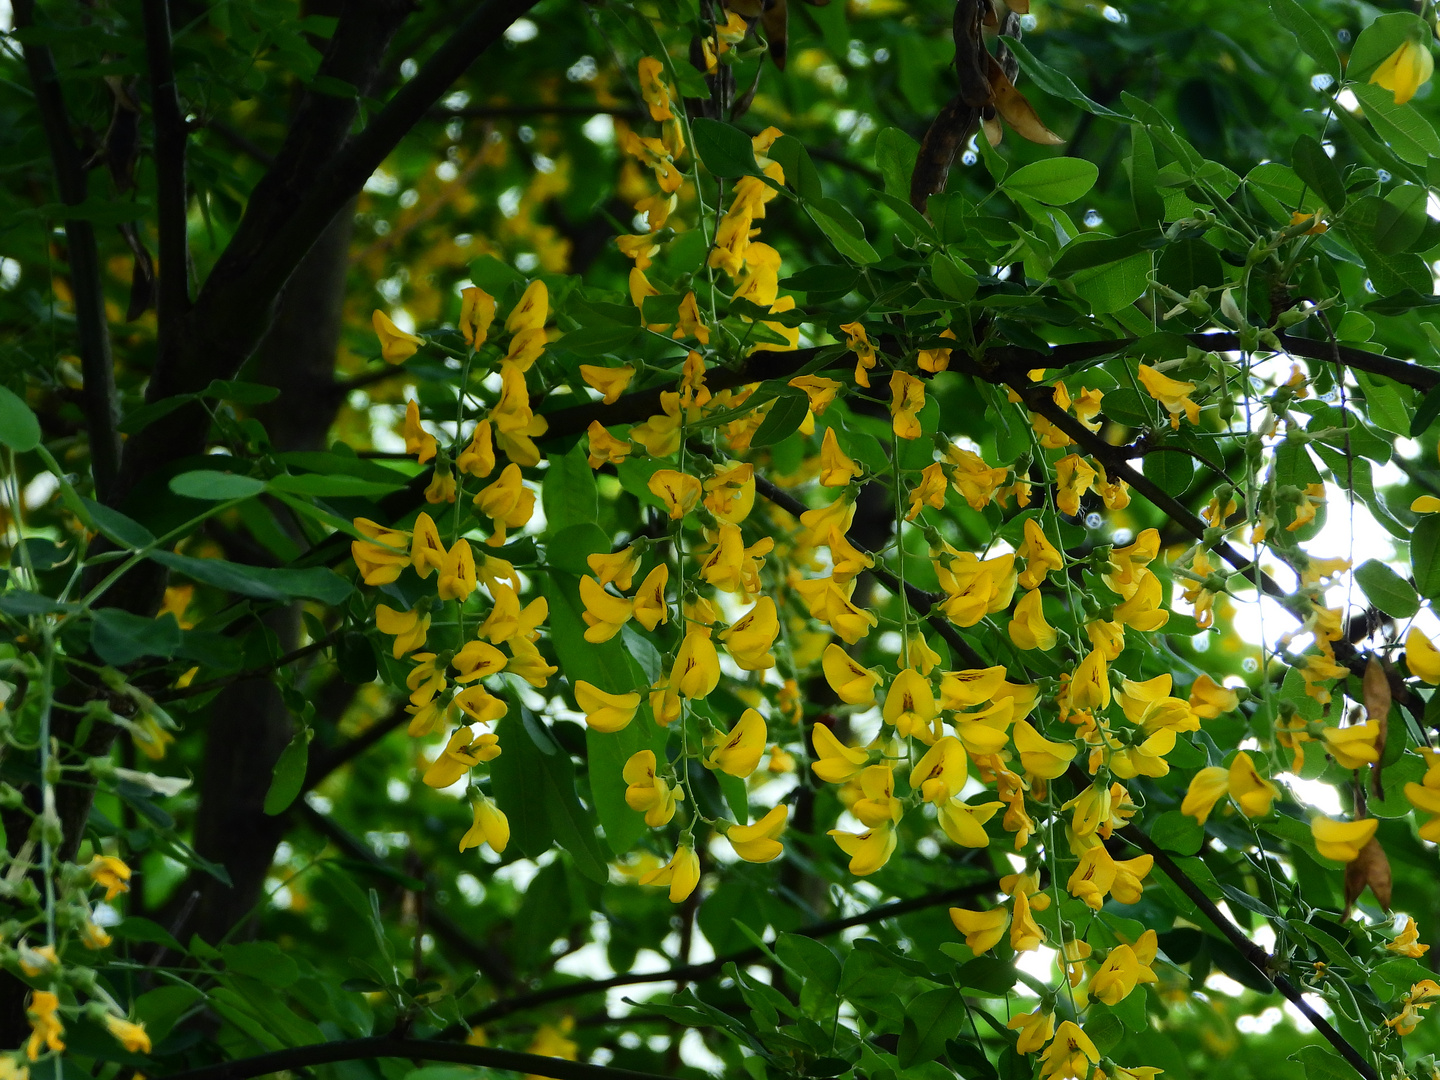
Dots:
(994, 130)
(949, 131)
(1376, 692)
(1020, 7)
(1018, 112)
(1371, 867)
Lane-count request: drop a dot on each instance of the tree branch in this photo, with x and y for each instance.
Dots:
(302, 1057)
(172, 197)
(84, 257)
(711, 968)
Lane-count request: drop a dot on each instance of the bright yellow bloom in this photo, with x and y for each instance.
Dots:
(1406, 70)
(1421, 657)
(1251, 791)
(1099, 874)
(1025, 933)
(647, 793)
(532, 311)
(1028, 629)
(1353, 747)
(859, 343)
(1039, 755)
(1092, 809)
(868, 851)
(852, 683)
(738, 752)
(478, 458)
(910, 707)
(1342, 840)
(619, 567)
(930, 491)
(1118, 976)
(696, 670)
(1208, 699)
(396, 345)
(679, 491)
(935, 360)
(506, 619)
(1171, 393)
(477, 660)
(1421, 996)
(1090, 684)
(462, 752)
(408, 628)
(478, 704)
(836, 468)
(653, 88)
(610, 381)
(907, 398)
(651, 607)
(877, 804)
(730, 492)
(835, 762)
(941, 772)
(965, 824)
(110, 873)
(974, 481)
(1070, 1054)
(1149, 705)
(457, 573)
(507, 502)
(382, 554)
(489, 826)
(681, 873)
(1407, 942)
(418, 441)
(477, 312)
(982, 929)
(93, 936)
(1142, 610)
(760, 842)
(45, 1026)
(1074, 476)
(749, 639)
(603, 711)
(820, 390)
(604, 613)
(1035, 1029)
(604, 448)
(1039, 554)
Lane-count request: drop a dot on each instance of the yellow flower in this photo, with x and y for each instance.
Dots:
(1118, 976)
(149, 738)
(457, 574)
(907, 398)
(1425, 504)
(1249, 789)
(930, 491)
(647, 793)
(976, 482)
(478, 458)
(935, 360)
(749, 639)
(877, 804)
(1171, 393)
(696, 670)
(1406, 70)
(94, 937)
(1073, 477)
(1407, 942)
(619, 567)
(1421, 657)
(1342, 840)
(1208, 699)
(678, 491)
(1142, 610)
(859, 342)
(1353, 747)
(1039, 755)
(532, 311)
(603, 711)
(868, 851)
(604, 613)
(1025, 933)
(820, 390)
(760, 842)
(910, 707)
(418, 441)
(38, 960)
(395, 344)
(1039, 554)
(836, 467)
(1420, 997)
(477, 313)
(854, 684)
(738, 752)
(1092, 809)
(1090, 684)
(982, 929)
(110, 873)
(730, 493)
(490, 826)
(965, 824)
(45, 1026)
(506, 620)
(478, 704)
(610, 381)
(1028, 629)
(653, 88)
(408, 628)
(462, 752)
(651, 607)
(507, 502)
(1069, 1055)
(681, 873)
(381, 555)
(1035, 1029)
(940, 774)
(835, 762)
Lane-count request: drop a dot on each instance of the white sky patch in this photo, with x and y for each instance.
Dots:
(1038, 962)
(1313, 793)
(1259, 1025)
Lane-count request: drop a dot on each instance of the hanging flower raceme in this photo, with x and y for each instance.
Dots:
(490, 826)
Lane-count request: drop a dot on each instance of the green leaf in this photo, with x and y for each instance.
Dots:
(1170, 471)
(259, 582)
(1177, 832)
(1054, 83)
(19, 428)
(809, 959)
(262, 960)
(895, 154)
(135, 928)
(1314, 166)
(930, 1020)
(1090, 250)
(783, 419)
(1387, 590)
(138, 419)
(213, 486)
(1055, 182)
(1149, 203)
(952, 280)
(840, 226)
(1322, 1064)
(335, 486)
(726, 151)
(569, 494)
(1425, 555)
(800, 171)
(120, 637)
(1313, 38)
(1403, 127)
(1388, 402)
(245, 393)
(1425, 412)
(289, 774)
(1400, 219)
(116, 527)
(1113, 286)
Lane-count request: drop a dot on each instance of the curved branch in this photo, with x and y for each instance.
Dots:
(172, 199)
(711, 968)
(301, 1057)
